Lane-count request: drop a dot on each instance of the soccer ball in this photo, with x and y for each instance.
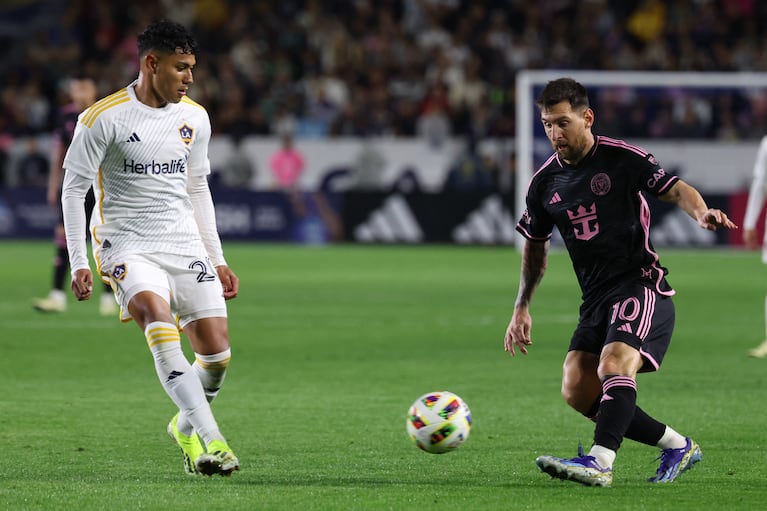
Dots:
(439, 422)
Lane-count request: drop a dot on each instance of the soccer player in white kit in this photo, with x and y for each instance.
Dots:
(756, 197)
(145, 150)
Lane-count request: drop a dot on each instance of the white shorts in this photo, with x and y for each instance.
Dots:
(189, 284)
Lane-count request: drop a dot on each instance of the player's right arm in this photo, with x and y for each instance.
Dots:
(73, 207)
(81, 164)
(534, 259)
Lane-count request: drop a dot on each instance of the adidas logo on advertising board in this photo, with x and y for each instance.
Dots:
(392, 222)
(491, 223)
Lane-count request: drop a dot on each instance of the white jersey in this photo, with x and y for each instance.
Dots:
(757, 193)
(139, 158)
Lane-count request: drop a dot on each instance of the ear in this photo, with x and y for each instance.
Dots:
(151, 61)
(588, 117)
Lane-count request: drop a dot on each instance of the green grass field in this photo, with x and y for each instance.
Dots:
(330, 347)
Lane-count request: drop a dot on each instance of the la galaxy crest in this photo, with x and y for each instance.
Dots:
(186, 132)
(119, 271)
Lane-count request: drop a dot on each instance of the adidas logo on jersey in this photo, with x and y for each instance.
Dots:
(555, 198)
(134, 138)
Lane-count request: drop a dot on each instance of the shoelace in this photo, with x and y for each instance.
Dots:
(666, 457)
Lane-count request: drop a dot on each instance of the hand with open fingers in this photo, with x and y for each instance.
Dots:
(82, 284)
(518, 332)
(713, 219)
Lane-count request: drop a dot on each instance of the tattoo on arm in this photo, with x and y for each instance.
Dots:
(534, 259)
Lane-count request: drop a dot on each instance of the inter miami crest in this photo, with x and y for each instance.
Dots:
(186, 134)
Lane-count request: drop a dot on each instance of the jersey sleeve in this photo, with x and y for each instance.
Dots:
(757, 191)
(88, 147)
(654, 179)
(536, 224)
(198, 162)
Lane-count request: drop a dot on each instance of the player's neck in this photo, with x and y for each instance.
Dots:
(146, 94)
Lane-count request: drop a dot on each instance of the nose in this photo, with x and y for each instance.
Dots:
(188, 78)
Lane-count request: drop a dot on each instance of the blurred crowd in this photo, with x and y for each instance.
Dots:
(429, 68)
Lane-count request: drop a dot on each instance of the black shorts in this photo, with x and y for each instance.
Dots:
(631, 313)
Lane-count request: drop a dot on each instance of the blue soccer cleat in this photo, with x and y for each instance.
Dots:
(675, 461)
(583, 469)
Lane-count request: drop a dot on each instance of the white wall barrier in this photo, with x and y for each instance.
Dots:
(376, 163)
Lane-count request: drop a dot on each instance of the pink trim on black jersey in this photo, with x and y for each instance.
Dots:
(545, 164)
(644, 216)
(529, 236)
(623, 144)
(668, 185)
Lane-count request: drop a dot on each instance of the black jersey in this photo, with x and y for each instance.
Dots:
(65, 124)
(600, 210)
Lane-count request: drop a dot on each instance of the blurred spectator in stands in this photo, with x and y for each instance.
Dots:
(287, 164)
(314, 64)
(32, 167)
(239, 170)
(471, 172)
(434, 119)
(648, 21)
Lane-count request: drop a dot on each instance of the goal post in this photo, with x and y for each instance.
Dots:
(528, 82)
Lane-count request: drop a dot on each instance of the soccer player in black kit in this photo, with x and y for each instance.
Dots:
(82, 91)
(592, 189)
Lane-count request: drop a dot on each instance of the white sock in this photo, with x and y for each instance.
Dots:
(671, 440)
(604, 456)
(179, 380)
(211, 370)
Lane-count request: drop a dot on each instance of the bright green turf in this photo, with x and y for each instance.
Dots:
(330, 347)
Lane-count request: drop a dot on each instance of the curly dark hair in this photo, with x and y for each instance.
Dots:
(166, 36)
(563, 89)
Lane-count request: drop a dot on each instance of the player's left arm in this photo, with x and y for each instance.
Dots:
(691, 201)
(205, 216)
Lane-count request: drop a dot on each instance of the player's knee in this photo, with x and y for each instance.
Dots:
(619, 358)
(147, 307)
(573, 397)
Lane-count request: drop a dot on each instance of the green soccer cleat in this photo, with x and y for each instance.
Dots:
(219, 459)
(190, 446)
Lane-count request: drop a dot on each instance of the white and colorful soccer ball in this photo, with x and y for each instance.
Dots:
(439, 422)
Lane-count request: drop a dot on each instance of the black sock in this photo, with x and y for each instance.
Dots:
(616, 410)
(643, 428)
(60, 267)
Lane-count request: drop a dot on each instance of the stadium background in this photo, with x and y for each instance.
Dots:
(331, 345)
(404, 111)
